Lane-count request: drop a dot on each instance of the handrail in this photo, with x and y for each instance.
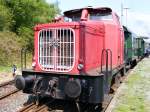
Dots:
(108, 53)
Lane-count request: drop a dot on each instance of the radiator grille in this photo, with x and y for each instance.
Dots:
(56, 49)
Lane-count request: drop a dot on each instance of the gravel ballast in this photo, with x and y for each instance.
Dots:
(13, 102)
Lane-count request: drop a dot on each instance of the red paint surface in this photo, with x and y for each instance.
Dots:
(91, 38)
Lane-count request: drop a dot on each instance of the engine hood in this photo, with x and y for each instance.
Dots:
(53, 25)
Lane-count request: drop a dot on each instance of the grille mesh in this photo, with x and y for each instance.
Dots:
(56, 49)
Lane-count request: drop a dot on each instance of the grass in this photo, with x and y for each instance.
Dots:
(133, 97)
(5, 69)
(8, 68)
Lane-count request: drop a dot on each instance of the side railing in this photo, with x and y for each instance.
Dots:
(104, 57)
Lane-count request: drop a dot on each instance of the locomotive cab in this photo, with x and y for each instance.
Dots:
(74, 58)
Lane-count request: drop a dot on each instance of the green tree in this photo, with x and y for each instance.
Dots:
(26, 39)
(27, 13)
(6, 18)
(17, 19)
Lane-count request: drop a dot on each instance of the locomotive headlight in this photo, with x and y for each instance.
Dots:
(33, 64)
(80, 66)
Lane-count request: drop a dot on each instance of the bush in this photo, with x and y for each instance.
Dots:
(9, 48)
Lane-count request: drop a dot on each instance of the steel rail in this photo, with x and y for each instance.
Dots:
(34, 108)
(4, 85)
(7, 83)
(8, 94)
(27, 108)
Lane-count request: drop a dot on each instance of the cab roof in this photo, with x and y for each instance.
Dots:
(90, 9)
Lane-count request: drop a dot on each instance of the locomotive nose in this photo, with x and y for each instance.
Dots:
(73, 88)
(19, 82)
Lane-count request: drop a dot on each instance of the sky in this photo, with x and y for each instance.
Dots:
(137, 18)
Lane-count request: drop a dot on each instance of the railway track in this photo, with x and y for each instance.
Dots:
(7, 89)
(46, 108)
(34, 108)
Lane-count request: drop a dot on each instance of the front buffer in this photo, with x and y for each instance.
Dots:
(89, 89)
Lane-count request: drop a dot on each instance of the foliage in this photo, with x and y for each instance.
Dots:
(17, 19)
(6, 16)
(26, 39)
(27, 13)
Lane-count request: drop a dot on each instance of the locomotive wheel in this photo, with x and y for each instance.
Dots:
(77, 107)
(86, 107)
(133, 64)
(31, 99)
(123, 71)
(93, 108)
(117, 80)
(38, 99)
(71, 107)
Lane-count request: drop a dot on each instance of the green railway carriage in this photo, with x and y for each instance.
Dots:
(134, 47)
(127, 45)
(141, 47)
(128, 48)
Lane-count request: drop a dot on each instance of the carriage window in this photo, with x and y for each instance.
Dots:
(100, 16)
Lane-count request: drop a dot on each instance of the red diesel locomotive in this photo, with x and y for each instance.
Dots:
(76, 57)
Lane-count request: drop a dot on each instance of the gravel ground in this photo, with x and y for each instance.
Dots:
(134, 94)
(5, 77)
(6, 89)
(13, 103)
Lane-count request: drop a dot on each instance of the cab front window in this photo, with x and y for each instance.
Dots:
(74, 17)
(101, 16)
